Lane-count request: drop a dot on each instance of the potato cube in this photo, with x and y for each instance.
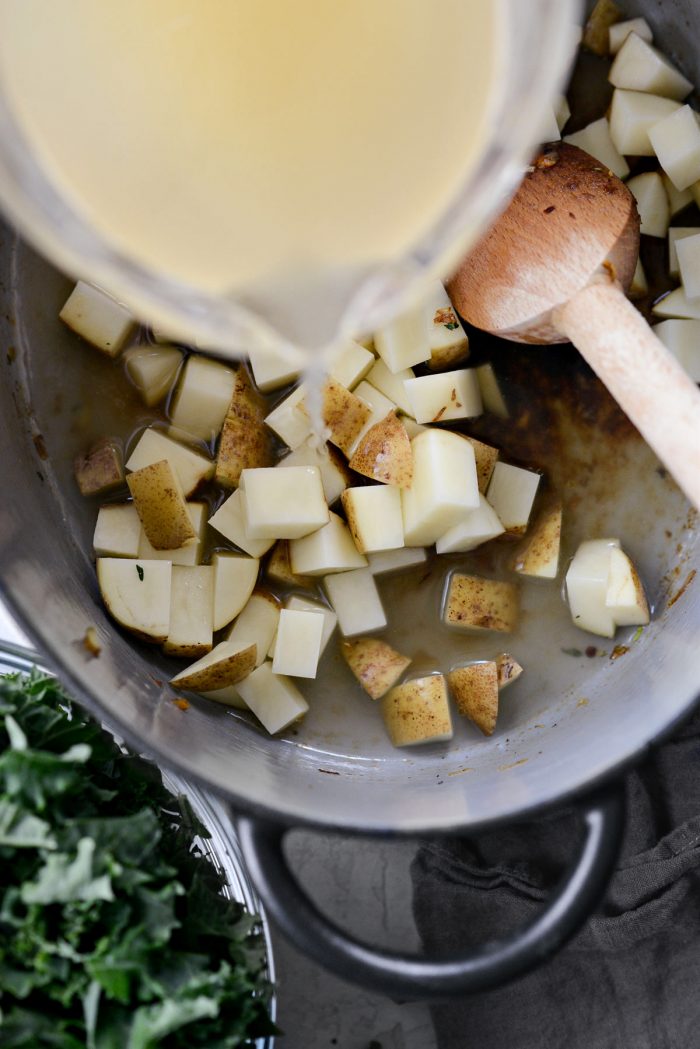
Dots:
(117, 531)
(298, 643)
(289, 419)
(587, 585)
(376, 665)
(228, 697)
(677, 304)
(486, 458)
(246, 442)
(276, 702)
(675, 234)
(418, 712)
(191, 612)
(275, 366)
(632, 114)
(640, 285)
(374, 517)
(345, 415)
(190, 467)
(596, 140)
(161, 506)
(444, 486)
(202, 397)
(509, 670)
(335, 475)
(385, 453)
(475, 691)
(100, 469)
(227, 664)
(625, 595)
(279, 567)
(412, 427)
(476, 527)
(682, 338)
(330, 619)
(153, 370)
(386, 561)
(283, 504)
(234, 580)
(678, 199)
(447, 338)
(621, 30)
(98, 318)
(596, 32)
(491, 393)
(137, 595)
(229, 520)
(355, 600)
(473, 603)
(511, 493)
(330, 549)
(676, 142)
(445, 396)
(379, 407)
(652, 203)
(539, 555)
(405, 341)
(257, 623)
(638, 66)
(688, 251)
(350, 364)
(391, 384)
(191, 554)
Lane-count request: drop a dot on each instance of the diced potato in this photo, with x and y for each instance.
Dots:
(137, 595)
(276, 701)
(257, 622)
(640, 285)
(98, 318)
(444, 486)
(191, 554)
(447, 338)
(153, 370)
(228, 697)
(678, 199)
(677, 304)
(275, 366)
(688, 251)
(356, 601)
(298, 643)
(675, 234)
(632, 115)
(191, 612)
(374, 517)
(587, 585)
(246, 442)
(652, 203)
(379, 407)
(491, 393)
(639, 66)
(376, 665)
(562, 112)
(621, 30)
(391, 384)
(386, 561)
(511, 493)
(117, 531)
(230, 521)
(676, 142)
(100, 469)
(682, 337)
(161, 506)
(475, 691)
(330, 549)
(279, 567)
(418, 712)
(539, 555)
(596, 33)
(385, 453)
(350, 364)
(595, 139)
(473, 603)
(508, 669)
(625, 595)
(163, 336)
(283, 504)
(412, 427)
(289, 420)
(227, 664)
(330, 619)
(335, 475)
(345, 415)
(476, 527)
(234, 581)
(202, 397)
(190, 467)
(486, 458)
(405, 341)
(445, 396)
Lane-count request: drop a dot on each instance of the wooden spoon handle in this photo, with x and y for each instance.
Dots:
(643, 376)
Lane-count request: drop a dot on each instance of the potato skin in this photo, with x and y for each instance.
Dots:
(473, 603)
(376, 665)
(161, 506)
(385, 454)
(418, 712)
(100, 469)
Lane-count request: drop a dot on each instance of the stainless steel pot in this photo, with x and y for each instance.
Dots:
(576, 724)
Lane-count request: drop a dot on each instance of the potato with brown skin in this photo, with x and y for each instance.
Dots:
(101, 469)
(376, 665)
(160, 504)
(245, 441)
(475, 691)
(473, 603)
(344, 414)
(596, 32)
(538, 556)
(227, 664)
(279, 567)
(385, 453)
(418, 712)
(508, 670)
(486, 459)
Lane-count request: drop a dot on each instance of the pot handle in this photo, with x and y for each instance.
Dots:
(409, 977)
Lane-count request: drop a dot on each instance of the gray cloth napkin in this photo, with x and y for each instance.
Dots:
(631, 978)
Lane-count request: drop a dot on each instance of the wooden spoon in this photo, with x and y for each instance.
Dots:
(555, 268)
